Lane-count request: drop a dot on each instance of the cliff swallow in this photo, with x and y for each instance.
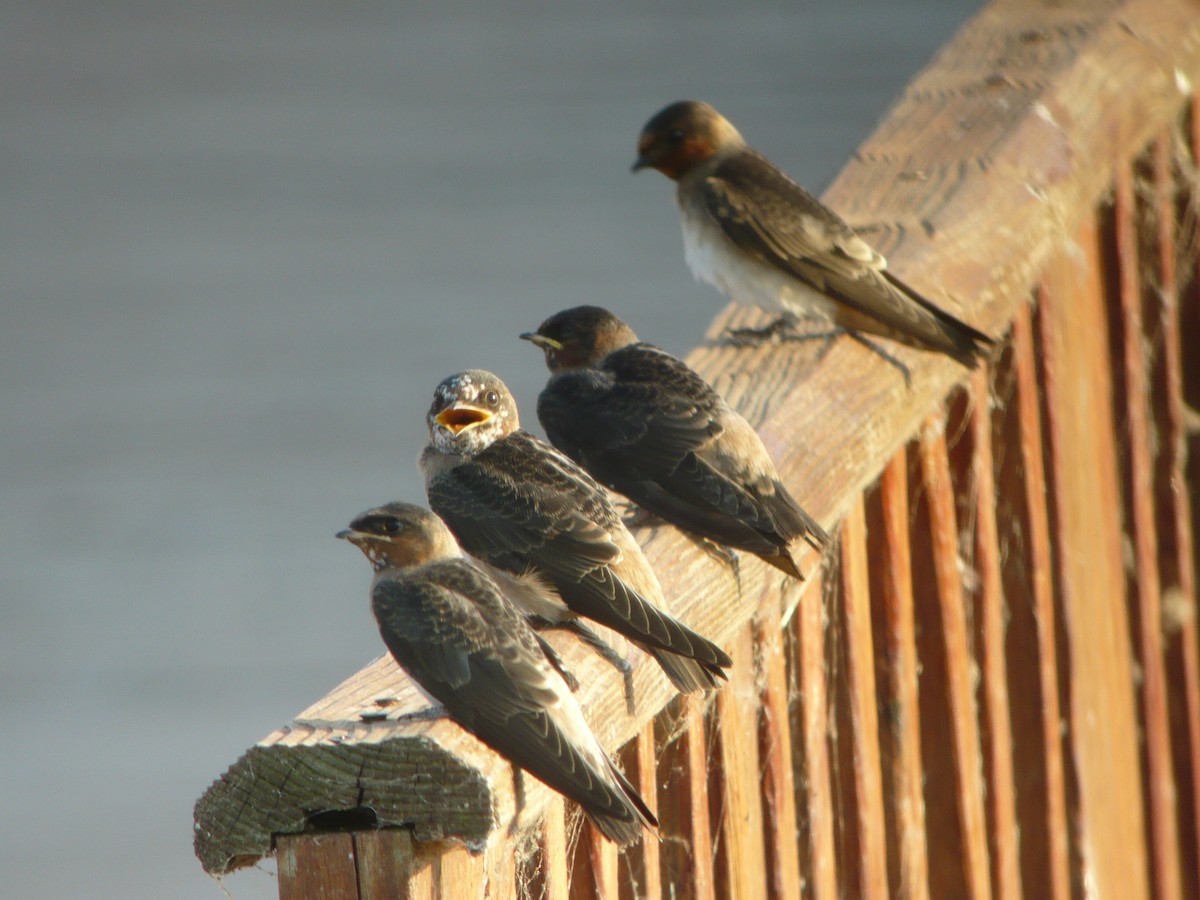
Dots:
(646, 425)
(515, 502)
(760, 238)
(451, 627)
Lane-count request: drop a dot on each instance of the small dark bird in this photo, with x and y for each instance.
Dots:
(451, 627)
(515, 502)
(646, 425)
(761, 239)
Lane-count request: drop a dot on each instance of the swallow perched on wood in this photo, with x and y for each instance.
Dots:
(760, 238)
(646, 425)
(515, 502)
(451, 627)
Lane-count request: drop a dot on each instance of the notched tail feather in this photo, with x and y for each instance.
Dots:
(961, 342)
(688, 675)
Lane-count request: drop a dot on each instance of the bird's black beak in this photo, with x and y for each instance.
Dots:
(640, 163)
(344, 534)
(541, 340)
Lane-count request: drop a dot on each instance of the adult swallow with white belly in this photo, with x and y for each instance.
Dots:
(761, 239)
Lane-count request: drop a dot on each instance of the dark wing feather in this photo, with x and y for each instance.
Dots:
(775, 220)
(639, 425)
(520, 504)
(451, 621)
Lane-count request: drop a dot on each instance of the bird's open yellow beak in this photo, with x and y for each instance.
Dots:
(456, 418)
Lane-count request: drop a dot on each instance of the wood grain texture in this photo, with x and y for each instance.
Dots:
(810, 720)
(742, 872)
(1003, 836)
(1083, 478)
(990, 157)
(1041, 770)
(775, 748)
(1146, 607)
(910, 876)
(868, 842)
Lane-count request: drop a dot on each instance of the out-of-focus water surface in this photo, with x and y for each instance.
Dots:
(240, 244)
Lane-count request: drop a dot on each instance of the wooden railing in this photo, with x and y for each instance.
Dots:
(992, 687)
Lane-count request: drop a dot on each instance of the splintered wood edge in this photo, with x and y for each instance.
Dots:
(986, 163)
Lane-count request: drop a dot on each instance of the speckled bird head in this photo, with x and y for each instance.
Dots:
(400, 536)
(580, 337)
(470, 411)
(685, 135)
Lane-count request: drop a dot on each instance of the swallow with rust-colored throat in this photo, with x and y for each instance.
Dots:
(761, 239)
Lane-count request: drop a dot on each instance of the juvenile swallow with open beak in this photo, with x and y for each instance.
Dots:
(760, 238)
(646, 425)
(451, 627)
(515, 502)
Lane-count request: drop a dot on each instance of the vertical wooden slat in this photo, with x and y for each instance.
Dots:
(700, 824)
(686, 852)
(1001, 794)
(743, 862)
(603, 854)
(935, 468)
(1147, 609)
(384, 860)
(815, 807)
(911, 878)
(553, 874)
(500, 872)
(1182, 572)
(316, 866)
(644, 777)
(1078, 405)
(864, 719)
(1051, 862)
(775, 744)
(456, 871)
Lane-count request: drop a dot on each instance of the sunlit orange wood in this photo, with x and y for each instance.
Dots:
(864, 718)
(912, 876)
(998, 746)
(964, 728)
(1147, 608)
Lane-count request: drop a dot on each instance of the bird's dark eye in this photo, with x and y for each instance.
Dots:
(391, 526)
(491, 398)
(675, 136)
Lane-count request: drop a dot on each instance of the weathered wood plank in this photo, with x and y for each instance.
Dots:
(317, 867)
(911, 875)
(742, 856)
(1146, 608)
(959, 682)
(384, 860)
(640, 762)
(1041, 788)
(998, 743)
(775, 743)
(869, 839)
(1185, 646)
(811, 722)
(1088, 538)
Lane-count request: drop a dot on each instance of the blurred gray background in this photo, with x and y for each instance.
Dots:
(241, 244)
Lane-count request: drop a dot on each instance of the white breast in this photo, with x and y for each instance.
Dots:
(714, 259)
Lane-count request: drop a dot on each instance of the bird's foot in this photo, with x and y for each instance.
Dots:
(593, 640)
(755, 337)
(556, 661)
